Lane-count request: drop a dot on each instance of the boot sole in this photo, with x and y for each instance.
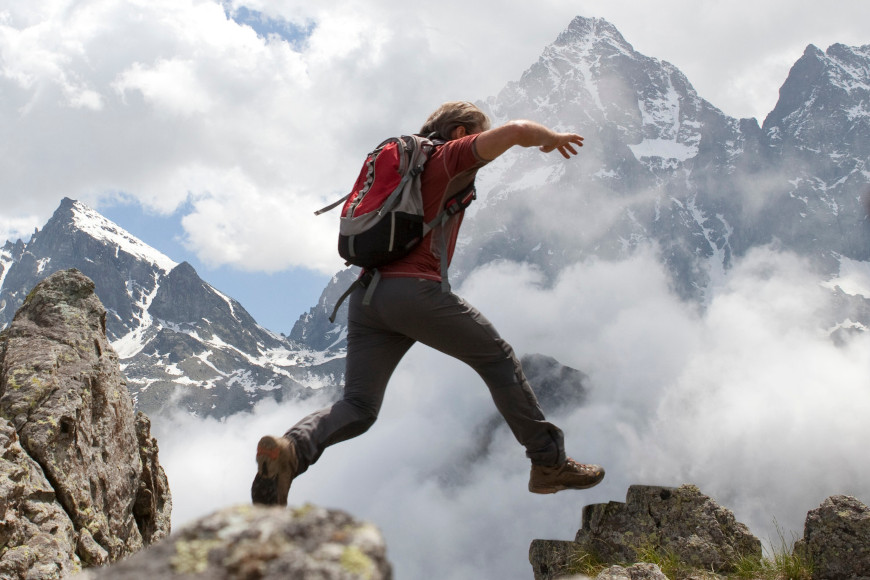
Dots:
(556, 488)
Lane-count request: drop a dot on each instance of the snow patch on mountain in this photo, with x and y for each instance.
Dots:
(6, 261)
(131, 343)
(661, 117)
(134, 341)
(662, 112)
(853, 278)
(534, 178)
(664, 148)
(226, 299)
(342, 336)
(846, 74)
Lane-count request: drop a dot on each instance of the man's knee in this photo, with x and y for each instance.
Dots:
(365, 412)
(357, 420)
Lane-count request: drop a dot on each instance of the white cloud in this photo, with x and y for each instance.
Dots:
(749, 399)
(171, 85)
(16, 228)
(137, 97)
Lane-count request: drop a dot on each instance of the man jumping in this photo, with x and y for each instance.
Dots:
(410, 305)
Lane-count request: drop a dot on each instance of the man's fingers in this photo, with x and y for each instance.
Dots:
(566, 147)
(567, 150)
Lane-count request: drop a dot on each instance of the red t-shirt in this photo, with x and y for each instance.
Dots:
(450, 168)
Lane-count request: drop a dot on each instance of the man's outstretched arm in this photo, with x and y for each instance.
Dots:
(490, 144)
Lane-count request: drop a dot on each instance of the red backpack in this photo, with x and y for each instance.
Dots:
(382, 217)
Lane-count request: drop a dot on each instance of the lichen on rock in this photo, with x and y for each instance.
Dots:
(837, 539)
(266, 543)
(64, 402)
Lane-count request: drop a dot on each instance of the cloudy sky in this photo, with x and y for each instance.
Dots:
(213, 138)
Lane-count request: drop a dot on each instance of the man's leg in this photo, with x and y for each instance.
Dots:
(372, 356)
(373, 353)
(446, 322)
(419, 309)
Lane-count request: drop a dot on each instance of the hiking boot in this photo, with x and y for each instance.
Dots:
(276, 468)
(569, 475)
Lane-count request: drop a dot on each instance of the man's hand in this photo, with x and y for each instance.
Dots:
(565, 143)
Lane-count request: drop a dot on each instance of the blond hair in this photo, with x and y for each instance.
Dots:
(455, 114)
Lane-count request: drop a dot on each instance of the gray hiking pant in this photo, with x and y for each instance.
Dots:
(404, 311)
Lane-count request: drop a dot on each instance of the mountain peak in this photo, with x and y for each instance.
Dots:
(592, 31)
(825, 94)
(81, 217)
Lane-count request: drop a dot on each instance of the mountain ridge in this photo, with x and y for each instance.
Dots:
(661, 167)
(181, 341)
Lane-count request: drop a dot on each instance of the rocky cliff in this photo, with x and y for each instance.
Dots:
(80, 484)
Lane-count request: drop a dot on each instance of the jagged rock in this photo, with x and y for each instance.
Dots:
(37, 538)
(86, 469)
(552, 559)
(837, 539)
(264, 543)
(680, 521)
(556, 386)
(153, 506)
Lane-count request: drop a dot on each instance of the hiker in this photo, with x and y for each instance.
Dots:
(410, 305)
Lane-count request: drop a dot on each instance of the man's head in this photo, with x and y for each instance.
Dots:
(451, 116)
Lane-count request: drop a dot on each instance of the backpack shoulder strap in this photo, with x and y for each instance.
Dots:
(417, 148)
(454, 204)
(332, 206)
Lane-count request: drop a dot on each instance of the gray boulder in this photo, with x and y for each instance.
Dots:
(837, 539)
(679, 521)
(266, 543)
(81, 468)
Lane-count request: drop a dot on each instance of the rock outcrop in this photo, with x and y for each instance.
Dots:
(837, 539)
(679, 521)
(263, 543)
(80, 484)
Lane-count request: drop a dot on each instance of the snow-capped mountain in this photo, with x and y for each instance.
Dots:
(75, 231)
(663, 166)
(181, 341)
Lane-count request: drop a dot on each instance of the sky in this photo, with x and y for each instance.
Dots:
(213, 130)
(214, 144)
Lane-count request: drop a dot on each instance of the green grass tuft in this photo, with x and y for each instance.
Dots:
(585, 563)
